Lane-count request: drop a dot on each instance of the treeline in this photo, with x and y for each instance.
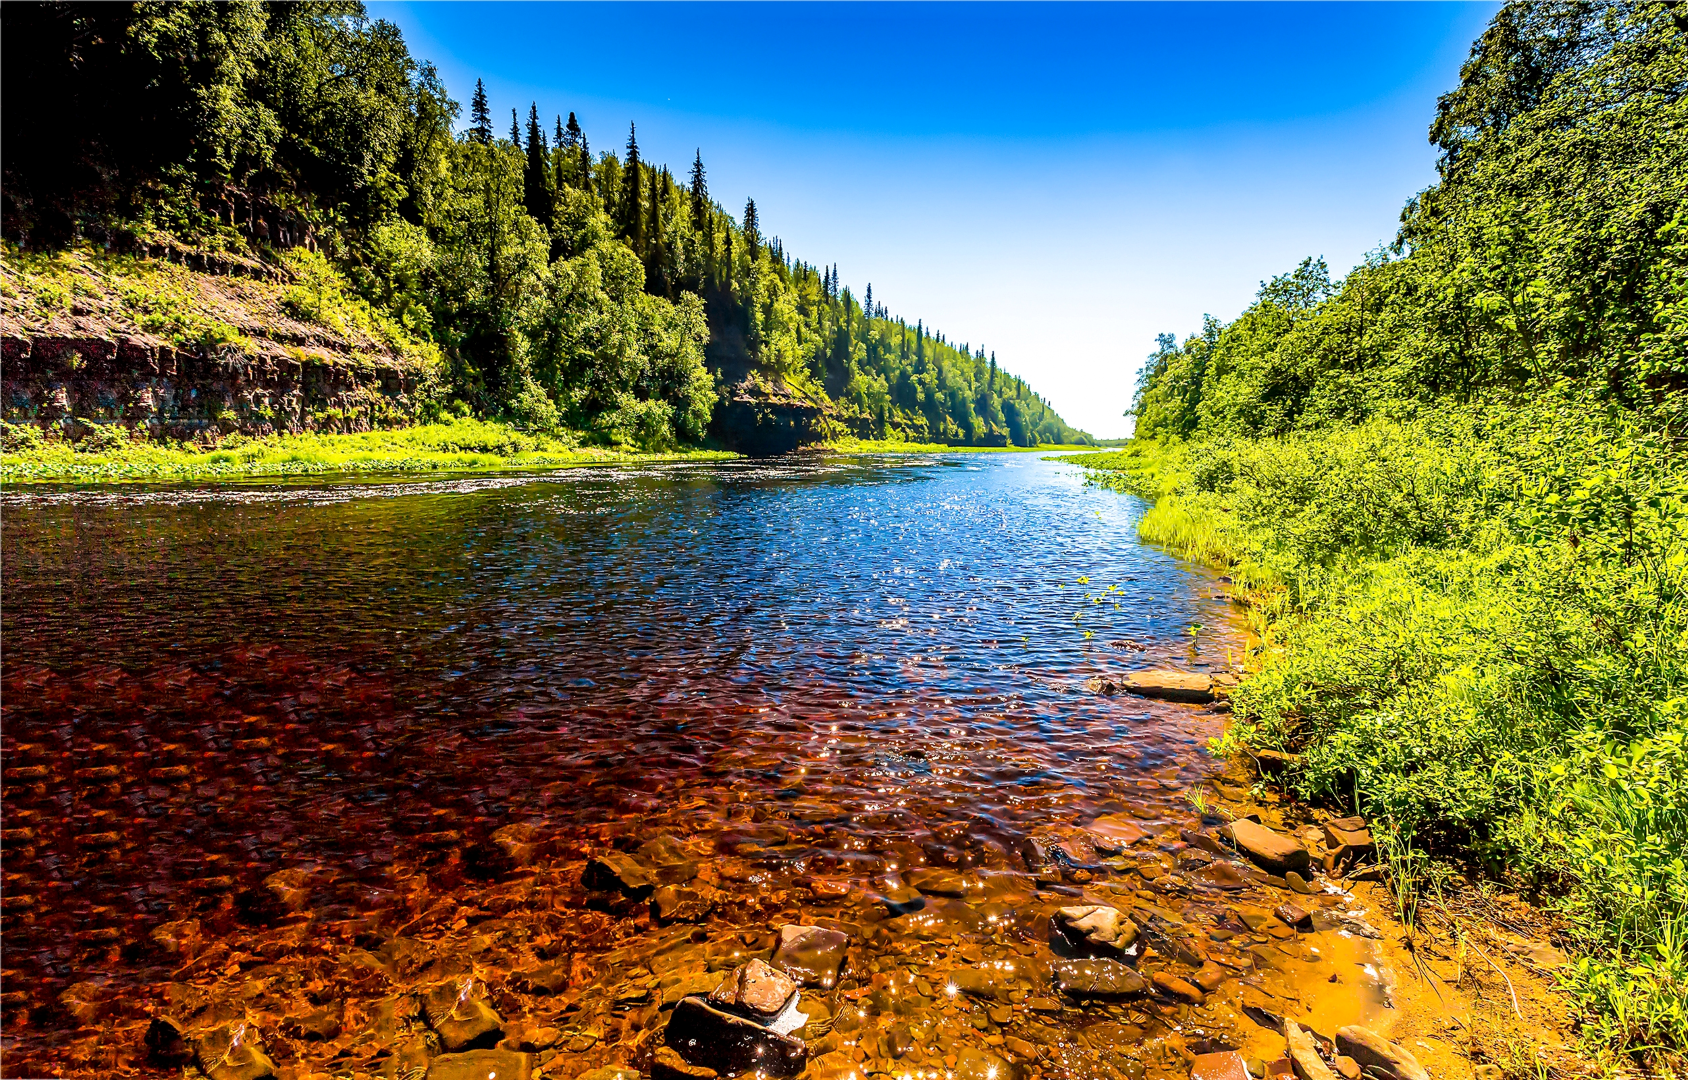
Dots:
(1456, 483)
(1552, 251)
(600, 292)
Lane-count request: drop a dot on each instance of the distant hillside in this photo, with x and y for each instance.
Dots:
(558, 288)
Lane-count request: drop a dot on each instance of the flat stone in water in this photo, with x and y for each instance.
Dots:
(1101, 979)
(1271, 851)
(1304, 1054)
(1170, 685)
(1378, 1055)
(481, 1064)
(812, 955)
(899, 899)
(1224, 1065)
(615, 872)
(233, 1052)
(463, 1022)
(989, 982)
(1174, 986)
(707, 1036)
(668, 1065)
(1096, 927)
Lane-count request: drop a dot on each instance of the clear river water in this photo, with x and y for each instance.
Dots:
(279, 756)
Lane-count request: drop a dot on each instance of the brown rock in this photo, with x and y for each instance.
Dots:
(898, 898)
(1275, 762)
(1102, 979)
(1093, 927)
(1117, 827)
(1170, 685)
(1272, 852)
(671, 904)
(1043, 1005)
(462, 1019)
(812, 955)
(1297, 883)
(1378, 1055)
(481, 1064)
(1171, 984)
(233, 1052)
(1349, 1069)
(1225, 1065)
(1349, 833)
(1304, 1054)
(1209, 976)
(1294, 915)
(755, 990)
(615, 872)
(668, 1065)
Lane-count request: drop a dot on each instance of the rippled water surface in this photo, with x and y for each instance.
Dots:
(278, 750)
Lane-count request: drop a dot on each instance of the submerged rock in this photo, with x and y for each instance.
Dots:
(1303, 1054)
(481, 1064)
(1224, 1065)
(669, 1065)
(937, 882)
(614, 872)
(462, 1020)
(233, 1052)
(1378, 1055)
(165, 1042)
(1100, 979)
(1173, 986)
(1095, 927)
(1294, 915)
(707, 1036)
(1270, 851)
(898, 898)
(674, 904)
(1170, 685)
(812, 955)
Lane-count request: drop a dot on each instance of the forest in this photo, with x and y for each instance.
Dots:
(1454, 484)
(563, 289)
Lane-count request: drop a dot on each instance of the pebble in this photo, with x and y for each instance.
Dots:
(614, 872)
(1294, 915)
(1298, 883)
(899, 899)
(674, 904)
(1223, 1065)
(668, 1065)
(1178, 988)
(462, 1021)
(1350, 1069)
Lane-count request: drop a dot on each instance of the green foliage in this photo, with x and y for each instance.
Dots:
(1454, 483)
(459, 444)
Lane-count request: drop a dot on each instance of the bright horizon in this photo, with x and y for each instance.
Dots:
(1058, 183)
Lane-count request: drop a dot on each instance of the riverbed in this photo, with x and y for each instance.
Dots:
(279, 758)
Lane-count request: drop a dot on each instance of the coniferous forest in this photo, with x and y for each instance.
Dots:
(561, 283)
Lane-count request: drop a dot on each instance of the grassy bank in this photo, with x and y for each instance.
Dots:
(461, 445)
(1476, 633)
(894, 446)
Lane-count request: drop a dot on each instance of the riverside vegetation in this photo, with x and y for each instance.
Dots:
(519, 279)
(1454, 483)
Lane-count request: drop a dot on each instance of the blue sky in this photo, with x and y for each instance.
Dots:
(1057, 182)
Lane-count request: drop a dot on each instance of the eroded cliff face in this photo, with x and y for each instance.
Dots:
(193, 347)
(73, 384)
(761, 420)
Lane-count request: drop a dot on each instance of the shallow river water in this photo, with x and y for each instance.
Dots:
(279, 756)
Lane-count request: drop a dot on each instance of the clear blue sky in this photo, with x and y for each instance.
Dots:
(1057, 182)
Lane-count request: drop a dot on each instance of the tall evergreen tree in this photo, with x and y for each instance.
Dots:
(515, 131)
(655, 276)
(481, 129)
(752, 237)
(538, 193)
(700, 190)
(585, 176)
(631, 201)
(867, 301)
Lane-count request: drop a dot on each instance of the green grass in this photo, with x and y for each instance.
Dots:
(459, 446)
(1475, 631)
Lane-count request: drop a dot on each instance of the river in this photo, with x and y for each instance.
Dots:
(277, 755)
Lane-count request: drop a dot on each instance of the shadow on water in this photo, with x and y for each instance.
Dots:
(271, 750)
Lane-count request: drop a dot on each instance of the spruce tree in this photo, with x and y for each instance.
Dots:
(585, 177)
(752, 238)
(867, 301)
(557, 133)
(515, 131)
(631, 202)
(654, 218)
(572, 137)
(481, 129)
(537, 193)
(700, 190)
